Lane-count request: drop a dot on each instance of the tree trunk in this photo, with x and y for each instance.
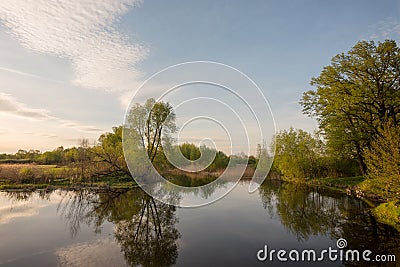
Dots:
(361, 163)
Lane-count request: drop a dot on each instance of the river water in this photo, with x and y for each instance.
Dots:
(128, 228)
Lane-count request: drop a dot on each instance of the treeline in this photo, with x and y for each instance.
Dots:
(148, 129)
(193, 153)
(301, 155)
(109, 150)
(58, 156)
(357, 105)
(105, 158)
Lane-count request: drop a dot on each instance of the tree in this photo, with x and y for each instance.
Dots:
(82, 156)
(52, 157)
(383, 162)
(190, 151)
(355, 95)
(262, 157)
(151, 123)
(146, 127)
(297, 154)
(220, 161)
(71, 155)
(110, 151)
(21, 154)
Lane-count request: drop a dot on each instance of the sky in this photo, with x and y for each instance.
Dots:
(70, 68)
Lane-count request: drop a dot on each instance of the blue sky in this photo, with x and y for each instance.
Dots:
(68, 69)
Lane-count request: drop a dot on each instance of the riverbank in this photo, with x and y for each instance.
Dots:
(387, 212)
(384, 210)
(112, 182)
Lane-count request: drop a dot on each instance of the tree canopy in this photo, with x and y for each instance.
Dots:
(355, 95)
(109, 151)
(151, 123)
(297, 154)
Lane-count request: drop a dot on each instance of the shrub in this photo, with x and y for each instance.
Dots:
(388, 213)
(383, 164)
(26, 174)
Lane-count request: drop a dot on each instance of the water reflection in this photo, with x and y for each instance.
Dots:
(21, 205)
(144, 228)
(146, 231)
(307, 212)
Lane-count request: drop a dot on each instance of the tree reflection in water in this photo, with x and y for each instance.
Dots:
(307, 212)
(144, 227)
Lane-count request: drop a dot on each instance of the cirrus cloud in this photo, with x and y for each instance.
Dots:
(386, 29)
(9, 105)
(81, 31)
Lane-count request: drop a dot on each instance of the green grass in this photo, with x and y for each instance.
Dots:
(29, 187)
(388, 213)
(23, 186)
(337, 183)
(342, 181)
(118, 182)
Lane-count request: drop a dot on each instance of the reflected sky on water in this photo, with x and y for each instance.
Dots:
(129, 228)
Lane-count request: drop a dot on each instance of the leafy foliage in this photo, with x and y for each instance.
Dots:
(383, 163)
(297, 154)
(388, 213)
(151, 124)
(190, 151)
(355, 95)
(110, 151)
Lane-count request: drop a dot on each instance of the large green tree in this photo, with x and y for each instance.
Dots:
(297, 154)
(151, 124)
(355, 95)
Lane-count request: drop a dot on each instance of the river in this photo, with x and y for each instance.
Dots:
(129, 228)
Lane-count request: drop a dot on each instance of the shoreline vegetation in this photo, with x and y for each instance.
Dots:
(385, 211)
(356, 149)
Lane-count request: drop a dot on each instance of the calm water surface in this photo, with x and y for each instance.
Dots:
(86, 228)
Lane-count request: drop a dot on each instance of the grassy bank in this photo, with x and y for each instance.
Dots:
(388, 213)
(74, 186)
(123, 182)
(384, 210)
(35, 176)
(338, 183)
(53, 177)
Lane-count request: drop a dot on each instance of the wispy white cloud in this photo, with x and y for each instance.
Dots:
(78, 126)
(81, 31)
(48, 135)
(9, 105)
(19, 72)
(14, 71)
(386, 29)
